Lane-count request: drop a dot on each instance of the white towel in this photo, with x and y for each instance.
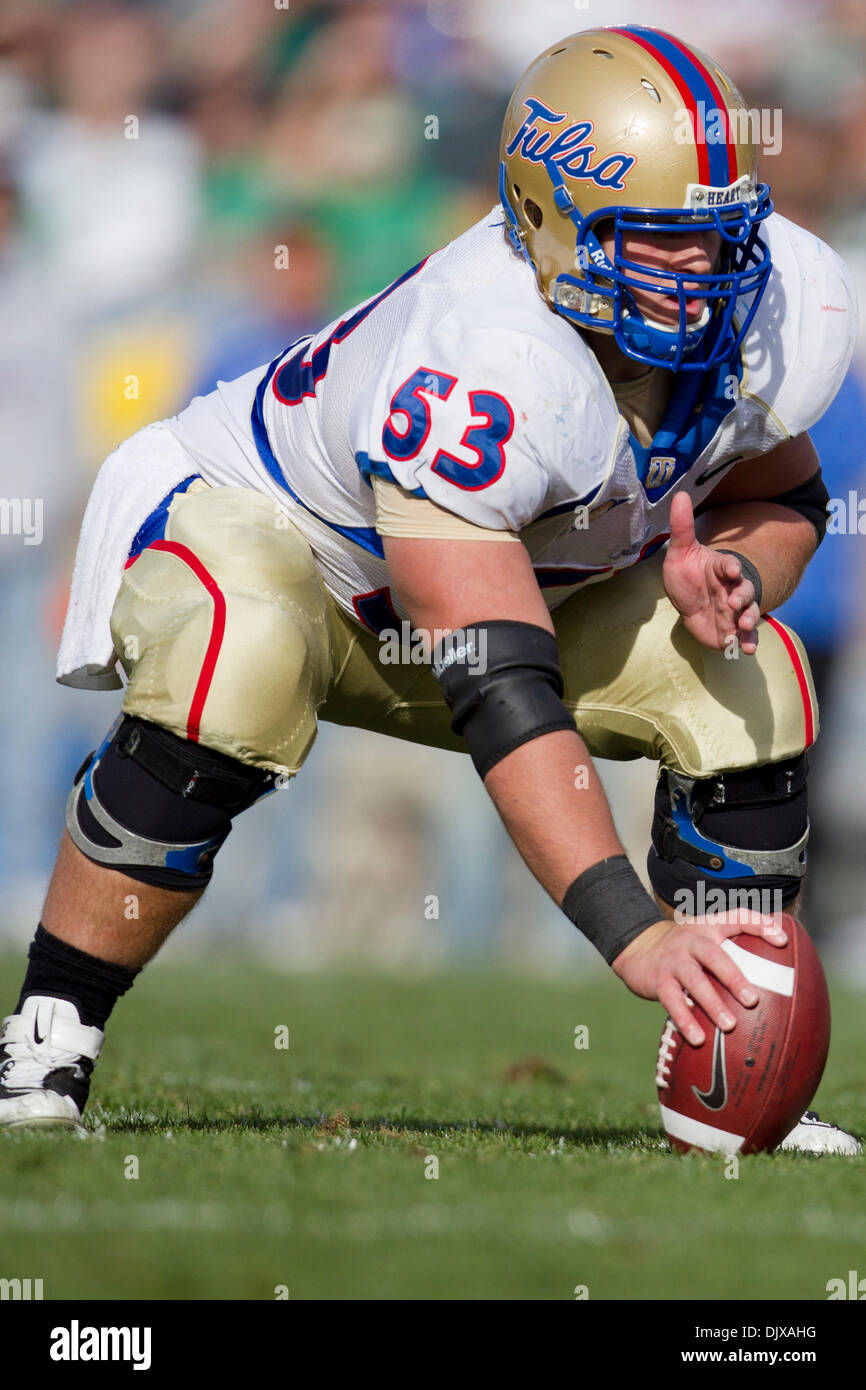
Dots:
(129, 486)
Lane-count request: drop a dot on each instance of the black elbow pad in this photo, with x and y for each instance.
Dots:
(810, 500)
(502, 682)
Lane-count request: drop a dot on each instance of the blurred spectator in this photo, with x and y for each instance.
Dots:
(740, 34)
(110, 186)
(277, 290)
(346, 142)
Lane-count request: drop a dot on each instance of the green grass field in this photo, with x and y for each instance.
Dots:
(307, 1167)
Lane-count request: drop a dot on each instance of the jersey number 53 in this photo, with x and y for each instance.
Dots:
(490, 427)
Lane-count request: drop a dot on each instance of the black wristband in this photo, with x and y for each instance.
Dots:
(749, 572)
(610, 905)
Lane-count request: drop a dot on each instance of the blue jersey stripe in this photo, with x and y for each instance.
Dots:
(378, 468)
(302, 380)
(153, 527)
(365, 536)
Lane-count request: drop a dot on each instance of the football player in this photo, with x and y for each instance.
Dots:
(570, 451)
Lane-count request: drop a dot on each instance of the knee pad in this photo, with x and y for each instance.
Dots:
(158, 807)
(737, 839)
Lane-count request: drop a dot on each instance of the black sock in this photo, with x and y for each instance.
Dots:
(57, 969)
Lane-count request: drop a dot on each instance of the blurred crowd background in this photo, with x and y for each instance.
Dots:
(152, 157)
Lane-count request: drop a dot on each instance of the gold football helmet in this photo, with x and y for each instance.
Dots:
(630, 130)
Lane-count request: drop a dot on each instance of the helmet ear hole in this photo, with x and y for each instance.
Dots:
(533, 212)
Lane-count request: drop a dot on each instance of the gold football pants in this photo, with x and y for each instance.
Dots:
(228, 636)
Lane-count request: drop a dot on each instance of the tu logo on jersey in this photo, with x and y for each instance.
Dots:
(660, 470)
(569, 150)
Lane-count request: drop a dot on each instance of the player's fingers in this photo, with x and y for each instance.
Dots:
(741, 600)
(714, 959)
(723, 584)
(764, 924)
(702, 990)
(682, 523)
(671, 996)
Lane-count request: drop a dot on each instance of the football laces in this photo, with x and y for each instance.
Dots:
(667, 1047)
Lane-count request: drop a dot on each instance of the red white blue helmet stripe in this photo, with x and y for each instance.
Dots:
(717, 160)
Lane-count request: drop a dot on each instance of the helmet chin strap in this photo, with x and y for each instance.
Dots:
(669, 328)
(661, 339)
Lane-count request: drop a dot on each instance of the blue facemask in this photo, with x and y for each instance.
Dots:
(740, 281)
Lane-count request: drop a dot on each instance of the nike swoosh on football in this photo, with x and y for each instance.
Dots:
(717, 1096)
(719, 468)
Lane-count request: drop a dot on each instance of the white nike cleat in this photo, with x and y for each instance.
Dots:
(46, 1058)
(815, 1136)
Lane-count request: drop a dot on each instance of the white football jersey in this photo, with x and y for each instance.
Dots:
(458, 383)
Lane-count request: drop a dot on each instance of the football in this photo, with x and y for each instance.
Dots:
(743, 1091)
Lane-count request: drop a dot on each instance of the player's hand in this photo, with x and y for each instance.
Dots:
(706, 587)
(668, 959)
